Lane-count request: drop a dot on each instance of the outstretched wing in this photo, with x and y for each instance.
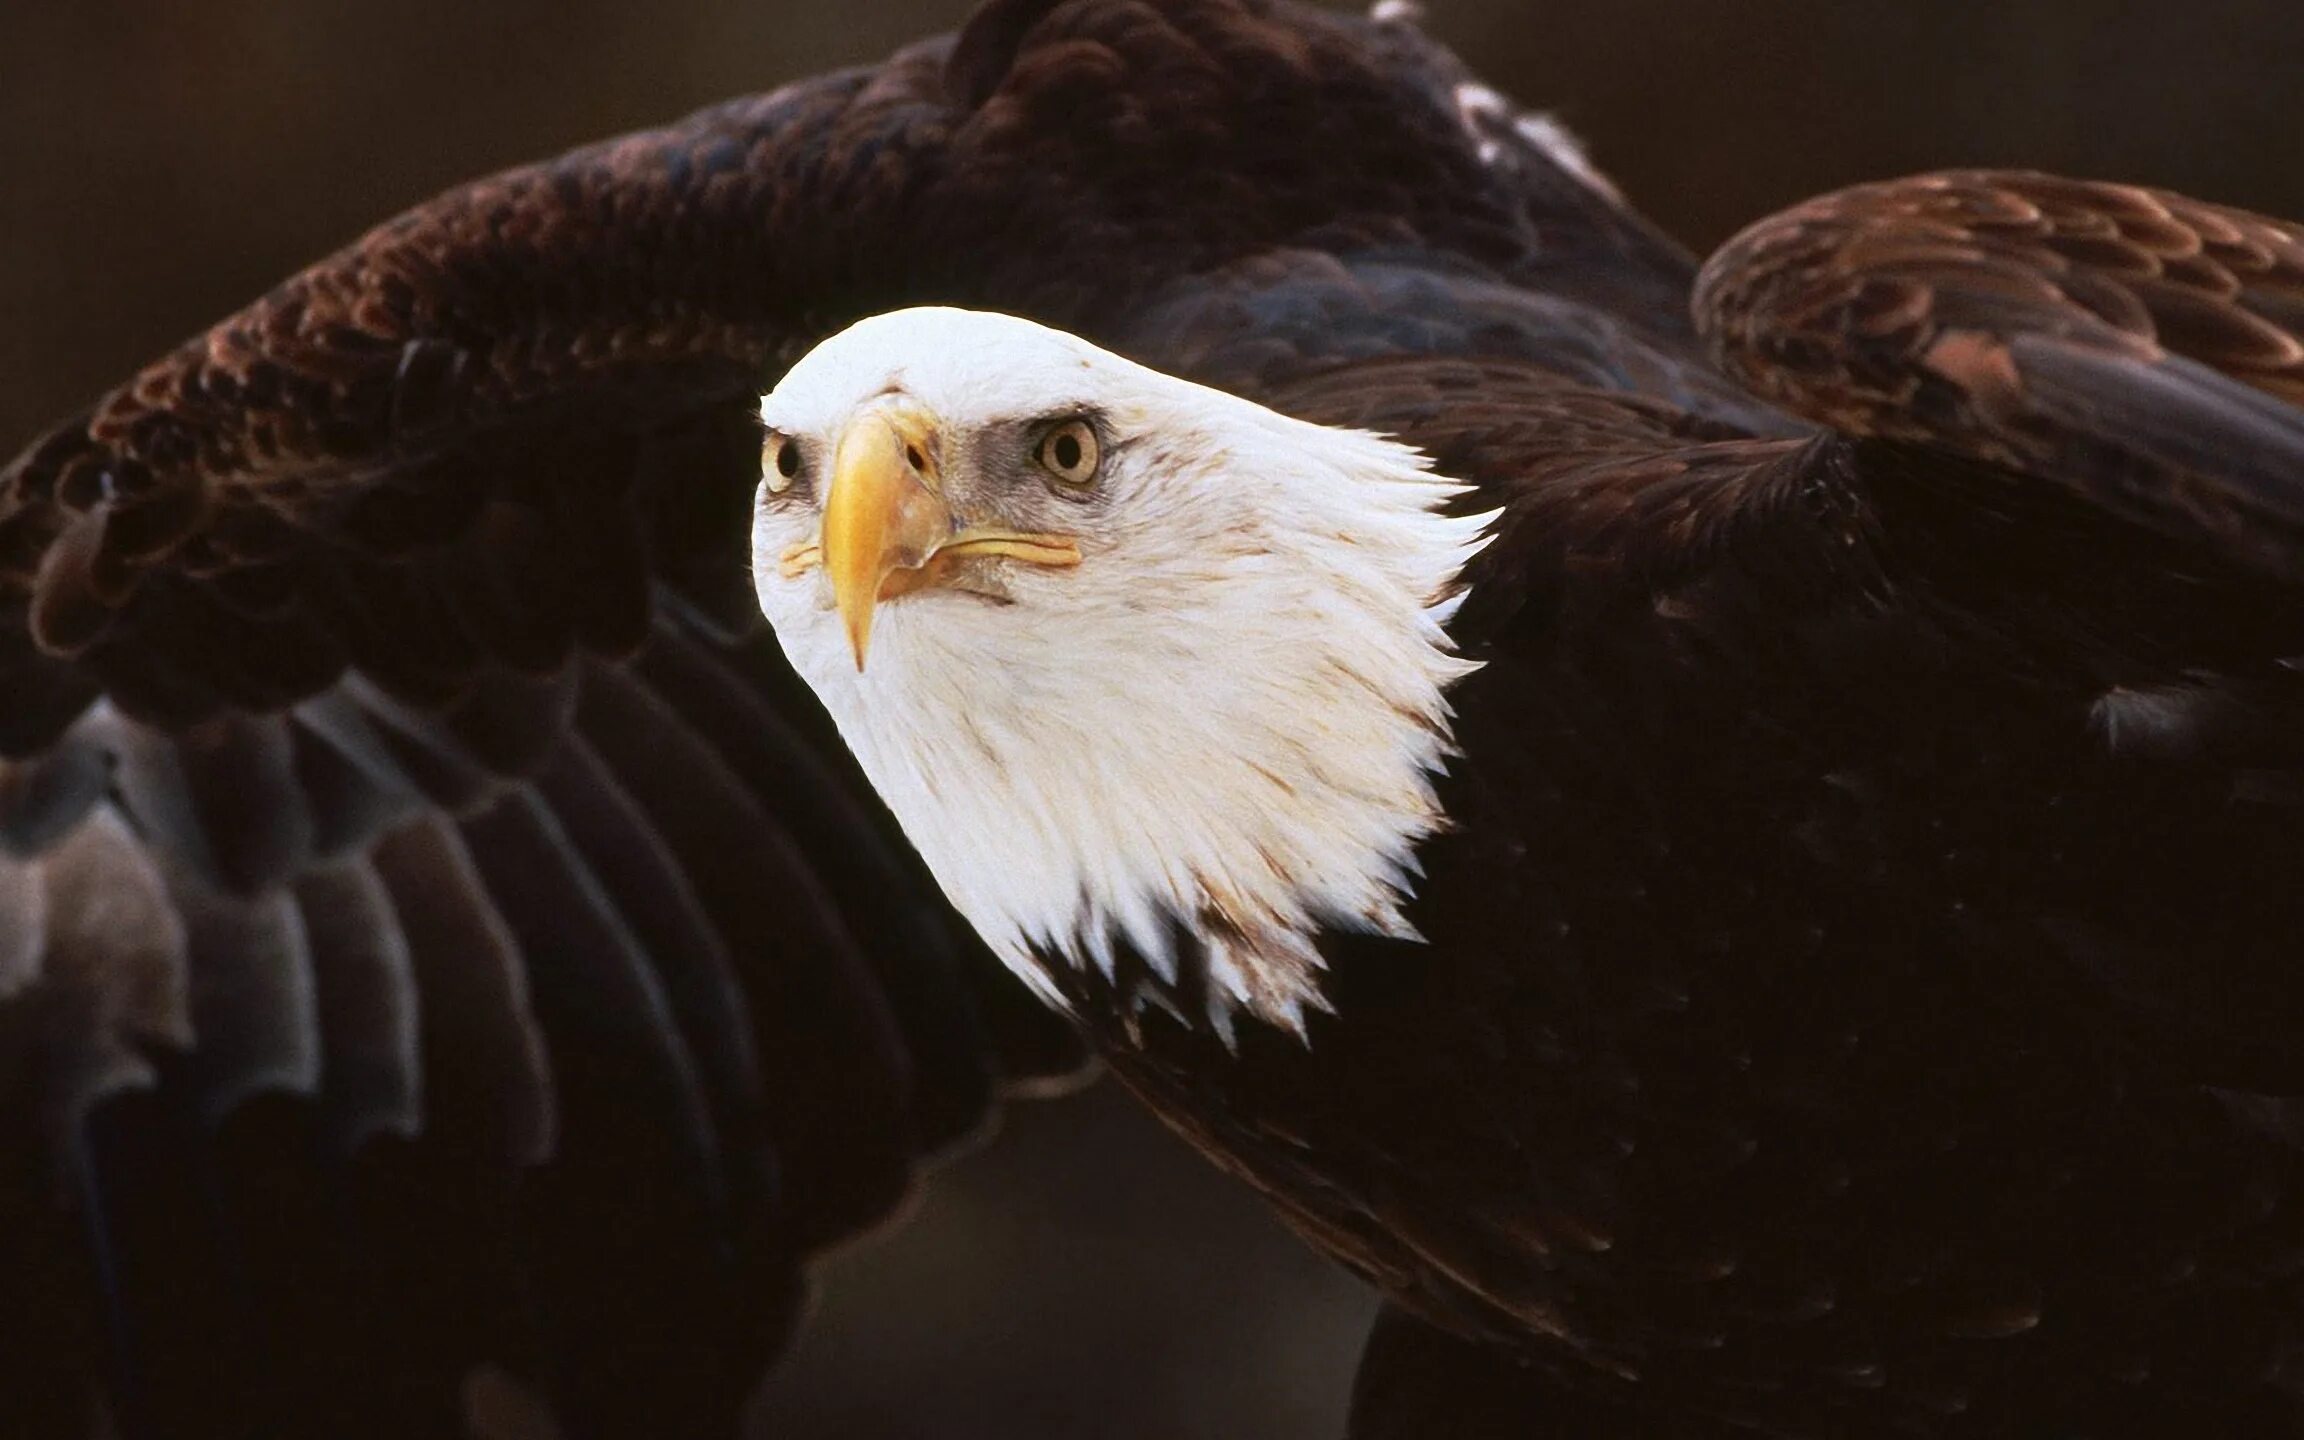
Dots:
(2136, 346)
(438, 937)
(442, 948)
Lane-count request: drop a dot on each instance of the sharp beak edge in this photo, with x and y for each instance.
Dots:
(880, 515)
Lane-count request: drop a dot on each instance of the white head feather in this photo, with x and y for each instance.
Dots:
(1227, 716)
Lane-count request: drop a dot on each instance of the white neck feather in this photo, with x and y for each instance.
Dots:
(1229, 715)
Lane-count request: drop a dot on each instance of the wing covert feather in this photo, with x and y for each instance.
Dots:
(2136, 346)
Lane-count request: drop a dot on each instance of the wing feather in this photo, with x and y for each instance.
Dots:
(670, 925)
(45, 794)
(367, 1006)
(254, 1003)
(726, 700)
(771, 908)
(114, 972)
(488, 1082)
(2132, 345)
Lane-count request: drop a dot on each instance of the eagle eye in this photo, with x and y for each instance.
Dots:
(1069, 452)
(782, 453)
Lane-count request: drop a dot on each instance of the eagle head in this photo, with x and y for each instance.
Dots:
(1139, 666)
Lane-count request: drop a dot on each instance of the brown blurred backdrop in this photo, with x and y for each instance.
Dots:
(163, 160)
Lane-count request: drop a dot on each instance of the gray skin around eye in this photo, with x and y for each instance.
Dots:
(998, 472)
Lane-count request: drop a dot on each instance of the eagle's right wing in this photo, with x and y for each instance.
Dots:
(444, 955)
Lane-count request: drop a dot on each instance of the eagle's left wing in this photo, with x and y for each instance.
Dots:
(2134, 345)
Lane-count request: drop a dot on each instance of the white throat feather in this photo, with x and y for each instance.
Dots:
(1228, 717)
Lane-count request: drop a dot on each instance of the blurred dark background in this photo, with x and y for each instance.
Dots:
(161, 162)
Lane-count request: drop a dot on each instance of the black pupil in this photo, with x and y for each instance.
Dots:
(1065, 450)
(787, 459)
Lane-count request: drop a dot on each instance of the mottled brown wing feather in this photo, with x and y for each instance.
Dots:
(315, 473)
(2141, 347)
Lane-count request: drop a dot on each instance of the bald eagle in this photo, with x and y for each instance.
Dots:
(1728, 840)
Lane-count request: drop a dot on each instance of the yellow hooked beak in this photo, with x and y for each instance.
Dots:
(887, 528)
(879, 514)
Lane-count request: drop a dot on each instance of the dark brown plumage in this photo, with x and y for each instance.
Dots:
(2085, 334)
(437, 936)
